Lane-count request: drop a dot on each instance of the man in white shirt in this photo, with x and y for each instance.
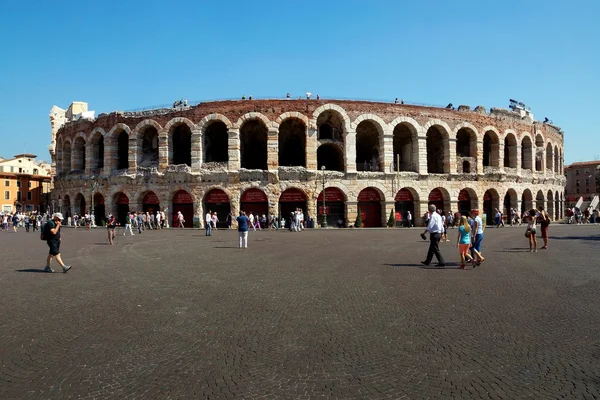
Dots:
(208, 223)
(251, 219)
(435, 227)
(409, 219)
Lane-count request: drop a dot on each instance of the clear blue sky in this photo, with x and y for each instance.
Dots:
(120, 55)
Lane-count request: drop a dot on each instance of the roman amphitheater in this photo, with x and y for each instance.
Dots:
(272, 156)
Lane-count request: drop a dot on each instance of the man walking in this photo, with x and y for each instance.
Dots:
(52, 236)
(435, 227)
(409, 219)
(243, 221)
(208, 221)
(128, 225)
(140, 221)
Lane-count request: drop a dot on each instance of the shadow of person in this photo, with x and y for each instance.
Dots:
(31, 270)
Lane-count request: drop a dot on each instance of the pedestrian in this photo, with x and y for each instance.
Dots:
(229, 220)
(243, 221)
(111, 225)
(463, 242)
(180, 219)
(409, 219)
(15, 222)
(27, 223)
(208, 222)
(498, 218)
(435, 227)
(140, 221)
(251, 220)
(215, 220)
(128, 225)
(530, 233)
(51, 234)
(478, 236)
(544, 219)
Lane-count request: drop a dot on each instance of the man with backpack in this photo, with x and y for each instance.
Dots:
(51, 234)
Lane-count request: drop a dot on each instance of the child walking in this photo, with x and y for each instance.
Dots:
(531, 232)
(463, 242)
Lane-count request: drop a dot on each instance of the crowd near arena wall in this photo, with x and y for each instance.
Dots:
(371, 158)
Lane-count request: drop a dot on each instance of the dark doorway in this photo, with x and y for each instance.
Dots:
(292, 143)
(216, 139)
(335, 206)
(99, 209)
(331, 156)
(182, 201)
(403, 204)
(150, 203)
(435, 151)
(182, 145)
(255, 201)
(369, 206)
(123, 150)
(253, 144)
(290, 200)
(217, 201)
(122, 207)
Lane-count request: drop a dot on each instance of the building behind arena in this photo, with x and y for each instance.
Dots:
(273, 156)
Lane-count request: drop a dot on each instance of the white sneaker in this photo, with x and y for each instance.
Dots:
(66, 268)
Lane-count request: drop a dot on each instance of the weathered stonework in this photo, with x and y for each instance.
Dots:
(509, 178)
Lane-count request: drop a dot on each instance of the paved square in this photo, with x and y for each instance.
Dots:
(321, 314)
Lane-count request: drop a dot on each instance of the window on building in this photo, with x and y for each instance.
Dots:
(587, 171)
(29, 196)
(6, 195)
(577, 191)
(576, 172)
(6, 183)
(19, 184)
(7, 208)
(20, 170)
(18, 196)
(587, 181)
(35, 171)
(577, 183)
(12, 169)
(29, 184)
(587, 190)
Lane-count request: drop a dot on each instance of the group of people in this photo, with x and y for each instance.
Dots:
(12, 222)
(588, 216)
(471, 232)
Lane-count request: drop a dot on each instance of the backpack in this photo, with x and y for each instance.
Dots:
(45, 233)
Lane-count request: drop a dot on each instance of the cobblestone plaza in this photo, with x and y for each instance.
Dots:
(320, 314)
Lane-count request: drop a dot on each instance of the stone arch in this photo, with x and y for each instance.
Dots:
(96, 146)
(65, 208)
(556, 160)
(121, 139)
(466, 141)
(467, 127)
(491, 148)
(405, 138)
(526, 200)
(253, 142)
(549, 157)
(335, 108)
(369, 144)
(557, 206)
(147, 135)
(467, 200)
(66, 156)
(338, 185)
(253, 116)
(291, 114)
(381, 189)
(173, 123)
(292, 141)
(179, 131)
(58, 155)
(510, 149)
(511, 200)
(79, 147)
(550, 204)
(117, 128)
(491, 203)
(146, 123)
(120, 205)
(438, 149)
(209, 119)
(80, 204)
(526, 153)
(539, 153)
(331, 156)
(540, 199)
(441, 203)
(215, 133)
(332, 125)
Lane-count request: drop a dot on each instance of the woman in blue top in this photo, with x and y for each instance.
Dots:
(463, 242)
(243, 222)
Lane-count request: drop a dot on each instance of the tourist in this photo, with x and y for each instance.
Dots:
(242, 221)
(287, 96)
(158, 220)
(263, 221)
(111, 225)
(444, 225)
(215, 220)
(128, 225)
(435, 228)
(208, 223)
(27, 223)
(180, 219)
(5, 222)
(530, 233)
(498, 218)
(409, 219)
(478, 236)
(15, 222)
(140, 221)
(229, 220)
(463, 241)
(51, 235)
(396, 101)
(544, 219)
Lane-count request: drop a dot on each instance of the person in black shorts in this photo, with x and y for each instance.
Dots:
(111, 224)
(52, 236)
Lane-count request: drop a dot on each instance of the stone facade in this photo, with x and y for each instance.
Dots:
(473, 159)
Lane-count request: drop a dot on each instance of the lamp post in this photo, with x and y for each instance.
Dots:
(92, 211)
(324, 213)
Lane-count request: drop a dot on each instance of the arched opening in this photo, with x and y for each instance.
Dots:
(330, 156)
(539, 153)
(255, 201)
(66, 207)
(550, 207)
(491, 203)
(549, 158)
(291, 200)
(526, 153)
(66, 164)
(335, 206)
(122, 150)
(440, 198)
(97, 151)
(216, 143)
(405, 148)
(510, 204)
(182, 201)
(217, 201)
(121, 207)
(253, 138)
(369, 206)
(437, 159)
(80, 206)
(367, 147)
(79, 154)
(464, 202)
(99, 209)
(330, 126)
(557, 214)
(150, 203)
(292, 143)
(526, 201)
(148, 148)
(404, 203)
(59, 157)
(539, 199)
(491, 149)
(181, 141)
(510, 151)
(466, 167)
(466, 143)
(556, 164)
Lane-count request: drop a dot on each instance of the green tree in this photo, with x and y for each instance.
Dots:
(392, 219)
(358, 222)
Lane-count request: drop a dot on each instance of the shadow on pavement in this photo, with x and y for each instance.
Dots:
(225, 247)
(593, 238)
(102, 244)
(31, 270)
(432, 266)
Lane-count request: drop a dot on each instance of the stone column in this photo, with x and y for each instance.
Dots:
(387, 158)
(418, 218)
(450, 156)
(480, 157)
(110, 155)
(163, 150)
(234, 204)
(272, 149)
(422, 160)
(196, 150)
(89, 149)
(199, 213)
(501, 156)
(132, 154)
(234, 163)
(311, 209)
(351, 211)
(350, 151)
(311, 148)
(519, 166)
